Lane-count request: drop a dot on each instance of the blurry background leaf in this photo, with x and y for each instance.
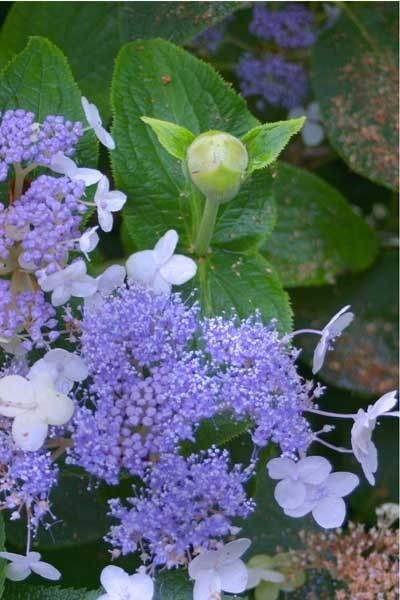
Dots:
(173, 585)
(355, 77)
(39, 79)
(90, 33)
(317, 235)
(365, 356)
(23, 591)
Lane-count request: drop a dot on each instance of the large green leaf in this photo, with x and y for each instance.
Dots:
(365, 356)
(40, 80)
(74, 527)
(160, 196)
(173, 585)
(23, 591)
(90, 33)
(244, 282)
(356, 82)
(317, 235)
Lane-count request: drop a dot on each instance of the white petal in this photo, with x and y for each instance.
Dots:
(142, 267)
(105, 219)
(60, 295)
(301, 510)
(12, 556)
(16, 395)
(84, 287)
(29, 432)
(314, 111)
(45, 570)
(233, 577)
(112, 278)
(369, 462)
(17, 571)
(114, 580)
(253, 577)
(281, 468)
(74, 271)
(312, 133)
(165, 247)
(91, 112)
(50, 282)
(233, 550)
(330, 512)
(102, 189)
(384, 404)
(203, 562)
(207, 586)
(341, 483)
(88, 176)
(54, 408)
(104, 137)
(115, 200)
(313, 469)
(142, 587)
(72, 365)
(178, 270)
(159, 285)
(63, 165)
(319, 354)
(340, 324)
(290, 494)
(89, 240)
(273, 576)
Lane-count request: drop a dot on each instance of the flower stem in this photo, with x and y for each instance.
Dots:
(325, 413)
(206, 228)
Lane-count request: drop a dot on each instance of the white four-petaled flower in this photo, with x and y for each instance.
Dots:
(361, 434)
(331, 331)
(121, 586)
(34, 405)
(93, 118)
(65, 368)
(107, 202)
(22, 565)
(66, 166)
(309, 486)
(159, 269)
(112, 278)
(71, 281)
(313, 131)
(219, 570)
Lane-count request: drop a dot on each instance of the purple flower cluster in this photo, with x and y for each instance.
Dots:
(24, 141)
(289, 27)
(24, 309)
(149, 389)
(258, 380)
(275, 80)
(46, 220)
(209, 40)
(188, 504)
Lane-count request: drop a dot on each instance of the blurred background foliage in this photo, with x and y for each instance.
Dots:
(325, 256)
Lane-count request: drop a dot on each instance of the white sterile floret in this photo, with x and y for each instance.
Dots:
(361, 434)
(21, 566)
(112, 278)
(159, 269)
(93, 118)
(312, 132)
(34, 405)
(71, 281)
(66, 166)
(257, 574)
(88, 241)
(331, 331)
(107, 202)
(12, 345)
(220, 570)
(309, 486)
(65, 368)
(121, 586)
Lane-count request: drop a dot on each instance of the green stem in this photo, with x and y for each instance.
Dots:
(206, 228)
(19, 181)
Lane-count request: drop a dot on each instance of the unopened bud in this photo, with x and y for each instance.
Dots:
(217, 163)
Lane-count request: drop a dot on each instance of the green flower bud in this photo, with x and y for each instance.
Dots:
(217, 163)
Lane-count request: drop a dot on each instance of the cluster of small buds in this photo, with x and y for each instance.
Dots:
(188, 505)
(289, 26)
(23, 141)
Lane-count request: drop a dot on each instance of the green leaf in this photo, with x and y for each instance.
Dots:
(91, 33)
(40, 80)
(22, 591)
(74, 527)
(174, 138)
(317, 235)
(244, 282)
(217, 431)
(173, 585)
(355, 78)
(364, 359)
(265, 142)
